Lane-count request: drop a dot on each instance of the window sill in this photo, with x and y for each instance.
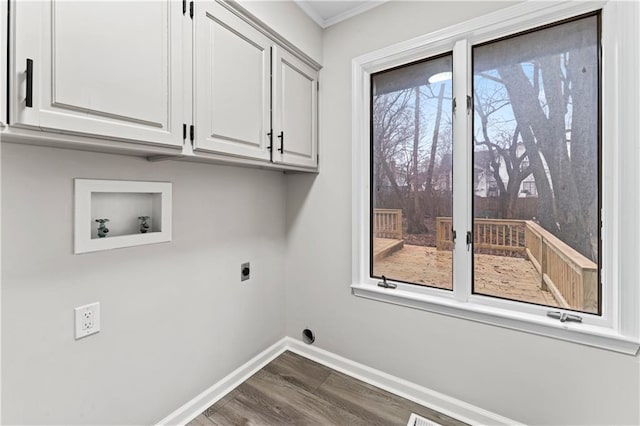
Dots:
(584, 334)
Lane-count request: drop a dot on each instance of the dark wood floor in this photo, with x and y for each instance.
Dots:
(292, 390)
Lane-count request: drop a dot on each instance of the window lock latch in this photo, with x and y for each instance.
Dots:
(386, 284)
(564, 317)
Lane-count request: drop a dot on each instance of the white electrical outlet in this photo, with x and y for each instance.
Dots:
(87, 320)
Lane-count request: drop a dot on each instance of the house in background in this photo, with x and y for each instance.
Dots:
(178, 327)
(486, 184)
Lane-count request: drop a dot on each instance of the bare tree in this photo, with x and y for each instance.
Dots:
(415, 216)
(434, 147)
(568, 200)
(392, 130)
(503, 152)
(404, 172)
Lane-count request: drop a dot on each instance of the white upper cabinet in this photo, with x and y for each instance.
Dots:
(232, 92)
(107, 69)
(253, 98)
(204, 81)
(295, 110)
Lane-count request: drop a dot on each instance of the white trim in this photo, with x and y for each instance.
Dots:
(621, 61)
(311, 12)
(585, 334)
(332, 20)
(618, 329)
(352, 12)
(4, 4)
(193, 408)
(462, 132)
(419, 394)
(529, 14)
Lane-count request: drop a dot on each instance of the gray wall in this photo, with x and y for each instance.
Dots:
(525, 377)
(175, 317)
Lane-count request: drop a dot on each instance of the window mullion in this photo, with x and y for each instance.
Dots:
(462, 168)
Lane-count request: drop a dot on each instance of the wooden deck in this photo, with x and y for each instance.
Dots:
(384, 247)
(568, 275)
(553, 273)
(501, 276)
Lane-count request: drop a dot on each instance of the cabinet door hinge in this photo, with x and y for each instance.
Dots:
(453, 105)
(191, 9)
(192, 131)
(469, 104)
(469, 240)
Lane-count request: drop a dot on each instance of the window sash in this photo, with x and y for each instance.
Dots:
(577, 27)
(427, 65)
(617, 329)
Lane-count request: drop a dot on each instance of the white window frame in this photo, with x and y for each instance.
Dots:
(618, 329)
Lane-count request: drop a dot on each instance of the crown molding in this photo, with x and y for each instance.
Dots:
(325, 23)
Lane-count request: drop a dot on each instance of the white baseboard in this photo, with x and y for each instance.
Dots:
(206, 399)
(452, 407)
(419, 394)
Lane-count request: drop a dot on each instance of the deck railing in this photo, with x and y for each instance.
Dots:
(444, 233)
(387, 223)
(567, 274)
(490, 234)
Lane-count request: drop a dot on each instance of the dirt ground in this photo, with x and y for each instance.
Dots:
(427, 240)
(500, 276)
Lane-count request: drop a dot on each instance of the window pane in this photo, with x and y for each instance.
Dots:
(536, 166)
(411, 188)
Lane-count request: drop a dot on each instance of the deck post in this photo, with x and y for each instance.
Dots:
(543, 263)
(590, 290)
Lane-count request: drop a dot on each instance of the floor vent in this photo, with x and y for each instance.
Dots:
(416, 420)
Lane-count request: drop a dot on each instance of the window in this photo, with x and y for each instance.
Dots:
(536, 97)
(411, 185)
(488, 174)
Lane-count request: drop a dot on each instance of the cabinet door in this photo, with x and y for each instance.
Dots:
(106, 69)
(232, 84)
(295, 111)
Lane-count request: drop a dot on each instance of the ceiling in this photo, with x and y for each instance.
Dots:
(328, 12)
